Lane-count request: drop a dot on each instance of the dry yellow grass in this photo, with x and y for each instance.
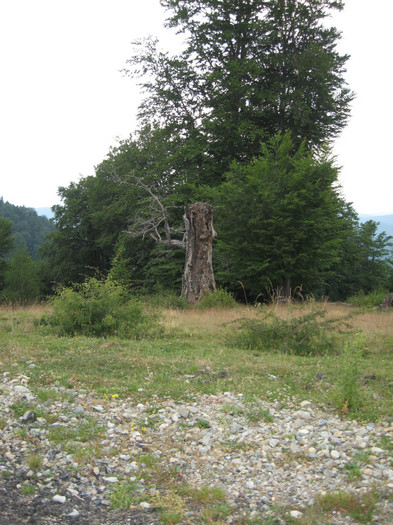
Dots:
(212, 320)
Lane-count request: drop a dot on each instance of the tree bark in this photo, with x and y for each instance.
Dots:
(198, 277)
(285, 290)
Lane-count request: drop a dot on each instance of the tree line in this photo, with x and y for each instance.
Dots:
(243, 117)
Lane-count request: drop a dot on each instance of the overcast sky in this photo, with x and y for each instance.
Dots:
(64, 102)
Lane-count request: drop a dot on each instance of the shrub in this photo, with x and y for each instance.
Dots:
(166, 299)
(304, 335)
(217, 299)
(371, 299)
(100, 308)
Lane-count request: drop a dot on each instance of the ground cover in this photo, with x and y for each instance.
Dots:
(195, 356)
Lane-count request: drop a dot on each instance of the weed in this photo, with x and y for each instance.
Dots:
(232, 409)
(19, 408)
(3, 423)
(147, 460)
(256, 415)
(359, 506)
(353, 471)
(348, 396)
(26, 490)
(5, 474)
(47, 395)
(34, 461)
(125, 495)
(203, 494)
(86, 430)
(202, 423)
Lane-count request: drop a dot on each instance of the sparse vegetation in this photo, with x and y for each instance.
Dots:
(195, 358)
(369, 300)
(306, 334)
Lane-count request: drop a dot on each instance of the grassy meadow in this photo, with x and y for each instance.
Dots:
(200, 351)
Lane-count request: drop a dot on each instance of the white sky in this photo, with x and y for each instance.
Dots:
(64, 102)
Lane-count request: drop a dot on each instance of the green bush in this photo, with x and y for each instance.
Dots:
(166, 299)
(100, 308)
(217, 299)
(371, 299)
(304, 335)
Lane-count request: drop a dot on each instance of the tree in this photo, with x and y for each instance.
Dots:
(28, 228)
(250, 68)
(285, 231)
(364, 262)
(22, 283)
(6, 244)
(197, 239)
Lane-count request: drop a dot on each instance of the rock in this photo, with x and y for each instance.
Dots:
(27, 417)
(98, 408)
(296, 515)
(79, 411)
(387, 302)
(111, 479)
(183, 412)
(144, 505)
(73, 515)
(59, 499)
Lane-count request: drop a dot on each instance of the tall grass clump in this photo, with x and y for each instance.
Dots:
(348, 395)
(217, 299)
(100, 308)
(371, 299)
(304, 335)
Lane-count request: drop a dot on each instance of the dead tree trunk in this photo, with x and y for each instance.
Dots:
(198, 277)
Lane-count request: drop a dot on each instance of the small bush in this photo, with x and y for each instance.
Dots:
(217, 299)
(371, 299)
(100, 308)
(304, 335)
(166, 299)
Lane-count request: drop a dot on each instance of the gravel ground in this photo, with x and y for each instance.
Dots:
(270, 458)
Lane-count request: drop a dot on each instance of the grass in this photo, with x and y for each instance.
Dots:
(194, 358)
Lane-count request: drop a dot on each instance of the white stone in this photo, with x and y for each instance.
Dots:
(296, 515)
(59, 499)
(111, 479)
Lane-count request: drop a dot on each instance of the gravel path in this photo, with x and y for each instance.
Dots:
(266, 456)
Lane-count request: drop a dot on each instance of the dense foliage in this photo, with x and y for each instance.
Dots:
(242, 117)
(100, 308)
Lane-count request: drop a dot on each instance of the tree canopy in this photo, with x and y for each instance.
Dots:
(242, 116)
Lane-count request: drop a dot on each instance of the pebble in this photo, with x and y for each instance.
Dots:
(59, 499)
(288, 460)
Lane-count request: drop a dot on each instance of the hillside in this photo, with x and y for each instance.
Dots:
(29, 229)
(385, 222)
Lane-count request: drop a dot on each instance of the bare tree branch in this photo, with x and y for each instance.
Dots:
(153, 219)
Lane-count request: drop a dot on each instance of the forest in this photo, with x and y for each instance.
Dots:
(244, 118)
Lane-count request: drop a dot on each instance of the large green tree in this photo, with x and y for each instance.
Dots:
(285, 232)
(249, 69)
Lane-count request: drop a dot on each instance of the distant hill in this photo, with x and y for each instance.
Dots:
(385, 222)
(46, 212)
(28, 228)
